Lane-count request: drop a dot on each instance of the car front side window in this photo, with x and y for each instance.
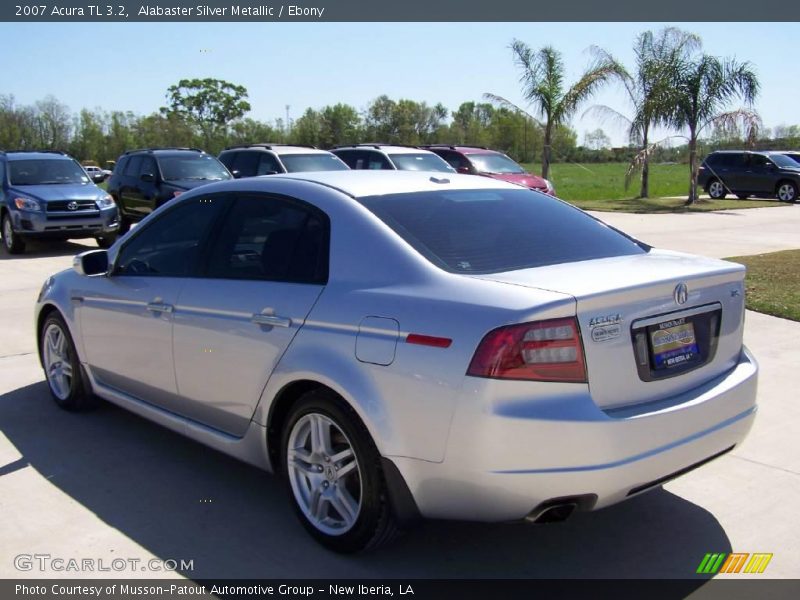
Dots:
(170, 245)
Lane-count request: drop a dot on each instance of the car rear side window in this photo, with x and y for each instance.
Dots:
(271, 238)
(133, 166)
(492, 231)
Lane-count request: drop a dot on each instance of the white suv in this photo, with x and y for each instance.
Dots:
(383, 156)
(250, 160)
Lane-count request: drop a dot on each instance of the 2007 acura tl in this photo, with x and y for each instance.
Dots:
(404, 343)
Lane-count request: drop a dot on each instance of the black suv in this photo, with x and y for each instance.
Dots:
(145, 179)
(249, 160)
(743, 173)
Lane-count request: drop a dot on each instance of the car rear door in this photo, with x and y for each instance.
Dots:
(759, 175)
(126, 318)
(232, 325)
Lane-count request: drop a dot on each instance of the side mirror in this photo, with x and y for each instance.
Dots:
(236, 174)
(148, 177)
(464, 170)
(91, 263)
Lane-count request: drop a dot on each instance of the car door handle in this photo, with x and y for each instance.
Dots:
(158, 307)
(273, 320)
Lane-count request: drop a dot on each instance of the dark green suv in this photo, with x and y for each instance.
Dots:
(766, 174)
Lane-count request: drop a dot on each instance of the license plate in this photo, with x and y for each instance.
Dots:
(674, 343)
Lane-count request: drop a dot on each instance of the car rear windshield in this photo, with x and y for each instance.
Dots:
(495, 163)
(182, 167)
(420, 162)
(492, 231)
(43, 171)
(298, 163)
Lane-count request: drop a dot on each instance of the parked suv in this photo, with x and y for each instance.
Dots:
(95, 173)
(145, 179)
(477, 160)
(384, 156)
(250, 160)
(49, 195)
(743, 173)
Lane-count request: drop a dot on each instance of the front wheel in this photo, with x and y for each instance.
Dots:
(62, 367)
(106, 241)
(787, 192)
(335, 479)
(13, 243)
(716, 190)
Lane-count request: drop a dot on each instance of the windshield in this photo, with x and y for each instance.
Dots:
(45, 171)
(492, 231)
(297, 163)
(495, 163)
(783, 160)
(192, 166)
(420, 162)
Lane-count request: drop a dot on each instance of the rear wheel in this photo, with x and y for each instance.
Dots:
(716, 190)
(124, 223)
(13, 243)
(787, 191)
(335, 479)
(62, 367)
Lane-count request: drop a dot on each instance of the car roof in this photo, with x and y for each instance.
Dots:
(385, 147)
(36, 154)
(160, 151)
(365, 182)
(464, 149)
(278, 148)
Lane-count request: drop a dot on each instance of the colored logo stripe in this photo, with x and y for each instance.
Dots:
(758, 562)
(711, 563)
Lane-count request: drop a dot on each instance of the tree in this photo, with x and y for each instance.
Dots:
(700, 89)
(210, 104)
(543, 87)
(657, 56)
(596, 140)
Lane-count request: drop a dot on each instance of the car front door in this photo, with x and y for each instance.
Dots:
(263, 275)
(127, 317)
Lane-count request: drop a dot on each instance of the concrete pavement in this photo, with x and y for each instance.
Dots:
(108, 485)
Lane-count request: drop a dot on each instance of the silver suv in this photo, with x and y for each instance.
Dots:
(386, 157)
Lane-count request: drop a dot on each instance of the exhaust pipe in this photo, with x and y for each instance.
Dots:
(556, 510)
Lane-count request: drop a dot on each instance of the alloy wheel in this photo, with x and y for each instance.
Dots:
(324, 474)
(57, 361)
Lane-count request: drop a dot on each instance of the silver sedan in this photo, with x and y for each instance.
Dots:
(404, 344)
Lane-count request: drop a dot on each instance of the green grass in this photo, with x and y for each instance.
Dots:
(773, 283)
(601, 186)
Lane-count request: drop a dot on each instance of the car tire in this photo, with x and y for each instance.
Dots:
(787, 191)
(105, 241)
(124, 223)
(65, 377)
(12, 242)
(716, 189)
(342, 502)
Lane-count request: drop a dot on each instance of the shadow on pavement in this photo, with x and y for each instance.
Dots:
(180, 500)
(49, 249)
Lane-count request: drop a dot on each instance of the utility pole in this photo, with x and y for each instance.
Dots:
(288, 122)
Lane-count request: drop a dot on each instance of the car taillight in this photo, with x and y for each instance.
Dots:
(540, 351)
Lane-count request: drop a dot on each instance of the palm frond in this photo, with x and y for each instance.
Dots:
(641, 157)
(504, 103)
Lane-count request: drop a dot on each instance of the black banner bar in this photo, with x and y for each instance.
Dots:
(376, 10)
(416, 589)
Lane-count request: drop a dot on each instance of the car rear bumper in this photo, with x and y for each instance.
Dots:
(506, 464)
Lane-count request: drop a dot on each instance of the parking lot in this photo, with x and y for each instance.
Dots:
(108, 484)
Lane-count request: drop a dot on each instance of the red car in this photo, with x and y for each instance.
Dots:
(476, 160)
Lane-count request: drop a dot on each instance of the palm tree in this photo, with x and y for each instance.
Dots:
(542, 82)
(657, 56)
(700, 90)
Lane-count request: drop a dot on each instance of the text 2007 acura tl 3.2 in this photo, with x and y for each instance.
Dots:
(402, 344)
